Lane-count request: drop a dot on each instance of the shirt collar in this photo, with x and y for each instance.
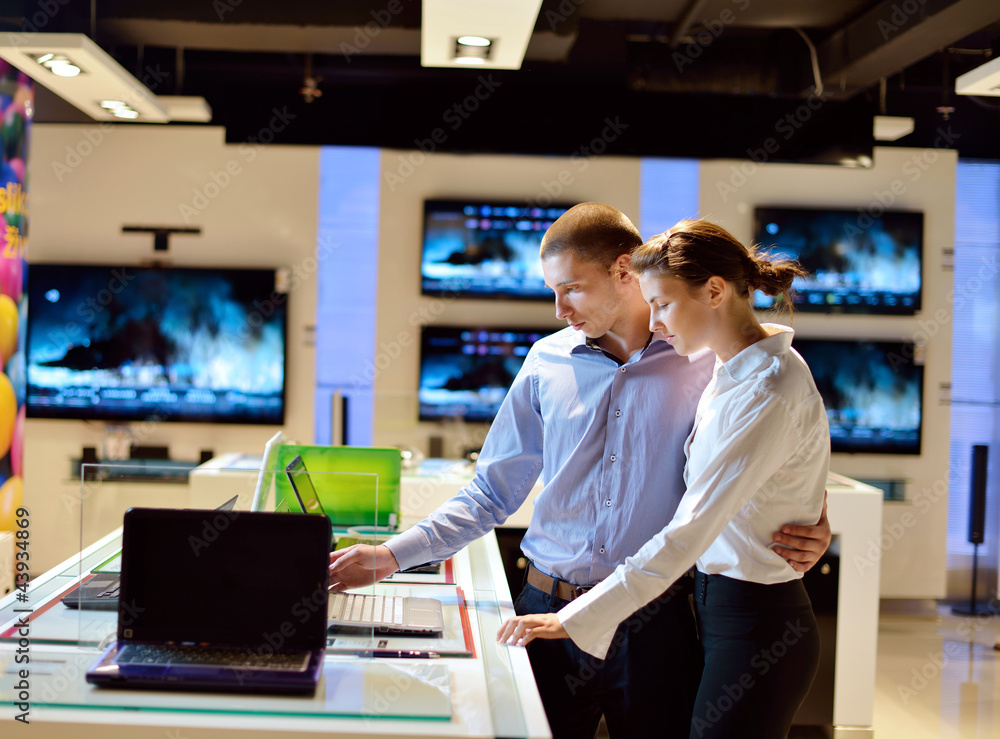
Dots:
(592, 344)
(778, 342)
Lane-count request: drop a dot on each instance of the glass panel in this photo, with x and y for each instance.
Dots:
(366, 673)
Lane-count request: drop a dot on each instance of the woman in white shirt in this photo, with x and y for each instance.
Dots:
(757, 457)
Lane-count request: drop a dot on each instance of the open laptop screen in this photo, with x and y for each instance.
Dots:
(227, 578)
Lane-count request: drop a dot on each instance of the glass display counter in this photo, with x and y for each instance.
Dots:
(476, 688)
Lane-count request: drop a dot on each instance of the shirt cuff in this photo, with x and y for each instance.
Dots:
(587, 618)
(410, 548)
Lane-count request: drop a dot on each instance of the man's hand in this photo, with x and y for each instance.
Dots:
(802, 546)
(520, 630)
(359, 565)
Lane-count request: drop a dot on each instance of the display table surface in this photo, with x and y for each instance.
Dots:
(492, 693)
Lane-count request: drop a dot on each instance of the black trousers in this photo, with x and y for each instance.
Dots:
(761, 647)
(645, 687)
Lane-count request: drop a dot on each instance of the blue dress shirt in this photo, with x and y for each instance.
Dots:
(607, 438)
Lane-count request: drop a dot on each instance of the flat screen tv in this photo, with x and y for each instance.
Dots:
(465, 372)
(857, 262)
(873, 392)
(477, 249)
(121, 343)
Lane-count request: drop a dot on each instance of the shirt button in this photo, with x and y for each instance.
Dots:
(602, 550)
(623, 369)
(607, 503)
(617, 414)
(613, 457)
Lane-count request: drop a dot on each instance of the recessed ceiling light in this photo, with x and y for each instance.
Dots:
(474, 41)
(64, 69)
(124, 113)
(470, 60)
(59, 64)
(111, 104)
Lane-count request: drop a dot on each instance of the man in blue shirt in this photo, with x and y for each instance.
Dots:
(591, 411)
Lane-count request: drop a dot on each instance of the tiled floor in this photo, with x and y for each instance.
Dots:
(937, 676)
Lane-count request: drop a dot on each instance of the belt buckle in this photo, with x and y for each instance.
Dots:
(578, 591)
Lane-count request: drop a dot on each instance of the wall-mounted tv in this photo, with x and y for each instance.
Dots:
(465, 372)
(122, 343)
(858, 262)
(873, 392)
(479, 249)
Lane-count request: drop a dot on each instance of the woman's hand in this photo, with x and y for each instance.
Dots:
(520, 630)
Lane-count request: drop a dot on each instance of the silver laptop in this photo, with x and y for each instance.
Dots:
(386, 614)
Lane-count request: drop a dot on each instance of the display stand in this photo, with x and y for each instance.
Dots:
(478, 689)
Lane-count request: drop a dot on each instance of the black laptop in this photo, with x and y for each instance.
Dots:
(219, 601)
(100, 592)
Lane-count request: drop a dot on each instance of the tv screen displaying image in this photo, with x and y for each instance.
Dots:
(123, 343)
(857, 262)
(466, 372)
(873, 392)
(485, 249)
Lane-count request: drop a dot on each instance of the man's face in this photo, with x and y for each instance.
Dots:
(588, 296)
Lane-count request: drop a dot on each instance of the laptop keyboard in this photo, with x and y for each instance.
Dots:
(111, 591)
(136, 654)
(363, 610)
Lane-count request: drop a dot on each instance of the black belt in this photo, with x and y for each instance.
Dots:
(559, 588)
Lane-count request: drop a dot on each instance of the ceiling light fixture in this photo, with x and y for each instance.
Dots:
(493, 32)
(472, 49)
(473, 41)
(79, 71)
(891, 127)
(983, 80)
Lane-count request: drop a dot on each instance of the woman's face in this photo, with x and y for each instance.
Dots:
(682, 314)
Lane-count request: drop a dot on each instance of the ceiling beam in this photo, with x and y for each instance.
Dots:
(893, 35)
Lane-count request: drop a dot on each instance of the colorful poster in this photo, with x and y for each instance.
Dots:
(16, 103)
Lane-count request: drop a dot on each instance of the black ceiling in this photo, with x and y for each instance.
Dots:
(699, 78)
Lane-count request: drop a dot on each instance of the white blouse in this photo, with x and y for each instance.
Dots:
(757, 459)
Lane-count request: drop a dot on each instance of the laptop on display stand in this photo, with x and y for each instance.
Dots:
(400, 615)
(100, 592)
(219, 601)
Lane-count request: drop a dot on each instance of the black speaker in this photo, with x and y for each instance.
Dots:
(977, 526)
(977, 493)
(436, 447)
(205, 455)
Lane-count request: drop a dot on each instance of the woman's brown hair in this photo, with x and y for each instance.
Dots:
(695, 250)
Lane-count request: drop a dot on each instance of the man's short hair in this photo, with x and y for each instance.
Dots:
(594, 232)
